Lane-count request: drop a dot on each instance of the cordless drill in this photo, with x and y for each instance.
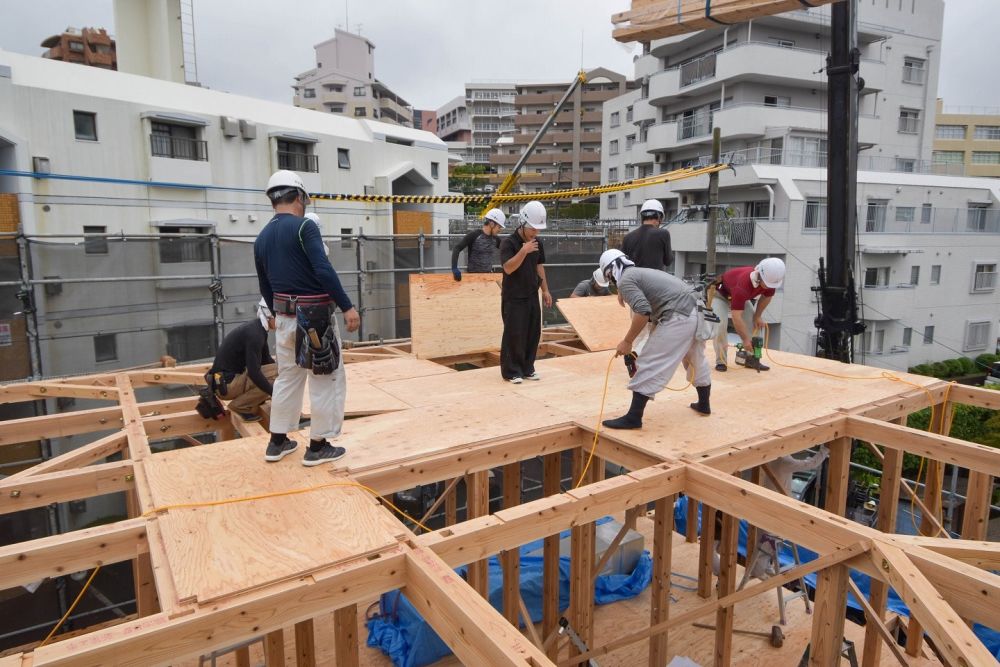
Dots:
(630, 363)
(751, 359)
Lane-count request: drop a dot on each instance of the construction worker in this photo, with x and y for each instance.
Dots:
(302, 289)
(648, 245)
(589, 287)
(481, 244)
(669, 304)
(523, 259)
(243, 368)
(735, 292)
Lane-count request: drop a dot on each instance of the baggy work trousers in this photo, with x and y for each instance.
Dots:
(243, 394)
(522, 330)
(327, 393)
(720, 306)
(669, 344)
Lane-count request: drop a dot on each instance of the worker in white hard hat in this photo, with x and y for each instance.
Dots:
(481, 244)
(523, 260)
(302, 289)
(315, 218)
(736, 290)
(649, 244)
(670, 305)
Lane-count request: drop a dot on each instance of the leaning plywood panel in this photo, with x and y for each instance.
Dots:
(449, 317)
(599, 321)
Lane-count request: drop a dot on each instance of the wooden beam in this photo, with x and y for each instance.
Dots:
(904, 485)
(977, 396)
(57, 555)
(582, 543)
(138, 444)
(29, 391)
(345, 636)
(475, 631)
(659, 602)
(952, 637)
(759, 450)
(305, 644)
(892, 475)
(977, 506)
(830, 601)
(510, 559)
(477, 503)
(57, 487)
(172, 376)
(551, 474)
(76, 458)
(838, 475)
(726, 586)
(876, 620)
(981, 554)
(974, 593)
(706, 551)
(160, 427)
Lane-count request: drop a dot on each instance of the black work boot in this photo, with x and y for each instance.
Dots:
(632, 418)
(702, 405)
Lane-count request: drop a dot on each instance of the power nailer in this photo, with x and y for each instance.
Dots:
(751, 358)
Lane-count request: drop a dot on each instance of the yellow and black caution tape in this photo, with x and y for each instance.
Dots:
(566, 193)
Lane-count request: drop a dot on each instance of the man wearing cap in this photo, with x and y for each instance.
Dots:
(481, 245)
(649, 245)
(243, 369)
(523, 259)
(734, 297)
(301, 288)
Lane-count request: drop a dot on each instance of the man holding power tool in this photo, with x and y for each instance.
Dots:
(736, 290)
(301, 288)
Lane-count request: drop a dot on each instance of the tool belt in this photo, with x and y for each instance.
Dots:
(316, 345)
(285, 304)
(208, 405)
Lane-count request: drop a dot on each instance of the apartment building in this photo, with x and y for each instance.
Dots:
(570, 153)
(454, 127)
(344, 82)
(90, 46)
(929, 238)
(968, 138)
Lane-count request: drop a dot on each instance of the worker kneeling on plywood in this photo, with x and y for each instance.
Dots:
(670, 305)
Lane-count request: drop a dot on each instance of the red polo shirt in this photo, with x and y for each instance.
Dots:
(738, 288)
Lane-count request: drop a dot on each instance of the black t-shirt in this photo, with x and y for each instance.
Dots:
(524, 282)
(245, 349)
(648, 247)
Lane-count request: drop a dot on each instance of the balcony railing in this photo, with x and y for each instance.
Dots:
(985, 281)
(880, 220)
(736, 232)
(181, 148)
(818, 159)
(698, 70)
(298, 161)
(698, 125)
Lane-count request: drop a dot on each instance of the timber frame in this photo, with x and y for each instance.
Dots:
(946, 582)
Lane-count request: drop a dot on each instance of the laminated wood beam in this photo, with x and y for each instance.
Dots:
(77, 458)
(172, 376)
(138, 443)
(977, 396)
(827, 640)
(29, 391)
(973, 593)
(903, 405)
(160, 427)
(58, 487)
(892, 473)
(984, 555)
(58, 555)
(345, 635)
(476, 632)
(763, 449)
(659, 602)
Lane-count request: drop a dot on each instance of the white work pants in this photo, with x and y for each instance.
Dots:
(720, 306)
(326, 392)
(669, 344)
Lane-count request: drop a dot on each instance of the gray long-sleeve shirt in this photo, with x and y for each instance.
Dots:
(656, 294)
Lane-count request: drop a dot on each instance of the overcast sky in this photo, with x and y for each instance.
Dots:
(427, 49)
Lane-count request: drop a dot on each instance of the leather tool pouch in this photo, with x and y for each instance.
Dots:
(315, 344)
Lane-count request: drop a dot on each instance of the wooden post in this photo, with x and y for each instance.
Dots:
(551, 473)
(726, 586)
(659, 604)
(477, 501)
(581, 582)
(838, 477)
(451, 507)
(706, 552)
(274, 649)
(243, 657)
(510, 559)
(345, 633)
(147, 602)
(828, 617)
(892, 472)
(753, 532)
(305, 644)
(977, 506)
(691, 527)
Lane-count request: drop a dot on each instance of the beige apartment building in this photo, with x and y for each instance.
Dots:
(968, 136)
(570, 153)
(90, 46)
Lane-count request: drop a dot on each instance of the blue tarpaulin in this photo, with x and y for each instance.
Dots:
(400, 632)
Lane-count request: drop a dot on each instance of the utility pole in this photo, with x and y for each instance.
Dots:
(713, 202)
(837, 321)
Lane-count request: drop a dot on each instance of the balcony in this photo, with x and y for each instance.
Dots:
(740, 234)
(300, 162)
(879, 220)
(888, 302)
(643, 112)
(178, 148)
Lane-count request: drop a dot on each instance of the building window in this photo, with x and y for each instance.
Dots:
(359, 91)
(909, 121)
(612, 201)
(877, 276)
(815, 214)
(434, 169)
(979, 218)
(309, 93)
(85, 125)
(613, 174)
(914, 275)
(343, 158)
(783, 43)
(627, 198)
(936, 274)
(190, 343)
(629, 142)
(95, 245)
(949, 132)
(613, 147)
(76, 47)
(987, 133)
(985, 157)
(928, 335)
(914, 70)
(906, 165)
(105, 348)
(907, 336)
(984, 277)
(336, 108)
(777, 101)
(905, 213)
(334, 87)
(177, 141)
(926, 213)
(360, 112)
(948, 157)
(616, 118)
(875, 215)
(186, 248)
(874, 341)
(297, 156)
(977, 335)
(629, 114)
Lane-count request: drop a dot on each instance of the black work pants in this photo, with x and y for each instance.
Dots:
(522, 329)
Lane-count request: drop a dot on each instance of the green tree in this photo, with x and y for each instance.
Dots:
(469, 179)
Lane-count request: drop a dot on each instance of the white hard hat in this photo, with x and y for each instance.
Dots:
(771, 272)
(651, 206)
(283, 180)
(533, 214)
(497, 216)
(608, 257)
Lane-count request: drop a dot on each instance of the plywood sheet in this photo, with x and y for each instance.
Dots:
(221, 550)
(449, 318)
(399, 368)
(599, 321)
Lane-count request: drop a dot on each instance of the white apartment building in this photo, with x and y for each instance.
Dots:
(343, 82)
(472, 124)
(929, 242)
(89, 151)
(454, 127)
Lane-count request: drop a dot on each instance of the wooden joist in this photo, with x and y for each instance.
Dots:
(58, 487)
